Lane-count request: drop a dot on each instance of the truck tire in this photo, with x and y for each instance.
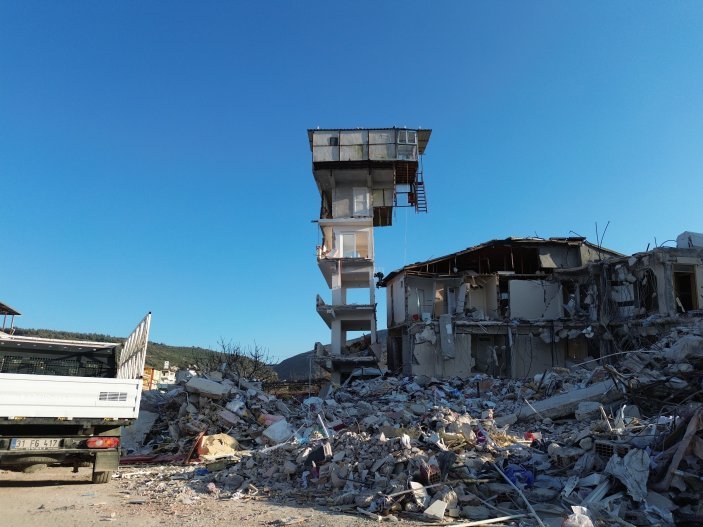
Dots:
(101, 477)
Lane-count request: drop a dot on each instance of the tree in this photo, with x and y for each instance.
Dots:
(251, 363)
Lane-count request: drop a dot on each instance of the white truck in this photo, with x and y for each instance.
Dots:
(63, 402)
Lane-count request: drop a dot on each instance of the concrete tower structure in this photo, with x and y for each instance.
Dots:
(361, 174)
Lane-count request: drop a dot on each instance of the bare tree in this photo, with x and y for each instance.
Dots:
(252, 363)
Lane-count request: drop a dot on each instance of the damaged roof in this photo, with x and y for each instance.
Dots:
(7, 310)
(575, 241)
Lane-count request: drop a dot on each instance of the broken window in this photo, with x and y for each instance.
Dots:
(647, 292)
(407, 137)
(622, 292)
(440, 302)
(685, 287)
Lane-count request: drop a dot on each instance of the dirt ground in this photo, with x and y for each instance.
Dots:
(59, 498)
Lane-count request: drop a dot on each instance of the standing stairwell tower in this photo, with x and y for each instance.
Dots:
(362, 174)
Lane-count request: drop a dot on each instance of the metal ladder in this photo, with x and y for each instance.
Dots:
(420, 194)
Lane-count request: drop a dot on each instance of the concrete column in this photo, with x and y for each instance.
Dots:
(337, 336)
(337, 291)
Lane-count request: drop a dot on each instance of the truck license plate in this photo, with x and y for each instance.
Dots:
(34, 443)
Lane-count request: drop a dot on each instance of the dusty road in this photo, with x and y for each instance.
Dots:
(58, 498)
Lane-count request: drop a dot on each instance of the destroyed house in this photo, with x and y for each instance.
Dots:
(494, 308)
(634, 299)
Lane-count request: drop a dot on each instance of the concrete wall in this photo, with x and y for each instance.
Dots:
(419, 289)
(342, 202)
(356, 145)
(399, 307)
(535, 300)
(353, 145)
(563, 257)
(321, 149)
(531, 355)
(589, 254)
(430, 361)
(483, 295)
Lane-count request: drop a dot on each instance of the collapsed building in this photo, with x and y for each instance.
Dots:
(519, 306)
(630, 301)
(599, 443)
(493, 308)
(362, 175)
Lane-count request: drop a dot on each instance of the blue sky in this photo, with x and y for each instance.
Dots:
(154, 156)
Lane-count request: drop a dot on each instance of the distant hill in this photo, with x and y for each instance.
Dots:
(299, 368)
(156, 353)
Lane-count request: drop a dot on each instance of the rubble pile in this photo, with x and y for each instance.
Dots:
(619, 443)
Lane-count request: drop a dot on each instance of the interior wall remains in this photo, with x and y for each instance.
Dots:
(531, 355)
(563, 256)
(535, 300)
(332, 246)
(398, 299)
(427, 358)
(481, 299)
(420, 295)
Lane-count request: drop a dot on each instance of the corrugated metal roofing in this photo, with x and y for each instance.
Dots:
(7, 310)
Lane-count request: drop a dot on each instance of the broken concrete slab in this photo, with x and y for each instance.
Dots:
(279, 432)
(587, 410)
(134, 434)
(436, 510)
(564, 403)
(207, 388)
(217, 446)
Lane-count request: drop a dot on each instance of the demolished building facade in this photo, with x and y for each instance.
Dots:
(617, 440)
(493, 308)
(637, 298)
(519, 306)
(362, 175)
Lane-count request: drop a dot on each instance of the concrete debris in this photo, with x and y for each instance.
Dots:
(611, 443)
(217, 446)
(134, 435)
(632, 470)
(579, 518)
(436, 510)
(207, 388)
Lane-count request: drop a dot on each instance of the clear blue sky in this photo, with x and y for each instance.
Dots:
(154, 156)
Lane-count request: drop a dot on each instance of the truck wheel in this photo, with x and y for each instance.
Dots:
(101, 477)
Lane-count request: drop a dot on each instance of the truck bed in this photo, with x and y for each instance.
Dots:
(69, 379)
(68, 397)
